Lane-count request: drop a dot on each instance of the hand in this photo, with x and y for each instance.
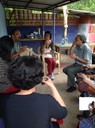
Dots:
(23, 49)
(85, 67)
(92, 106)
(85, 77)
(73, 44)
(46, 80)
(73, 56)
(53, 120)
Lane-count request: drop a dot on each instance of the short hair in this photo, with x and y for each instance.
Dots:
(82, 38)
(48, 32)
(26, 72)
(13, 31)
(6, 45)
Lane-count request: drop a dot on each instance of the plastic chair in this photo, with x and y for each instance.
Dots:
(56, 55)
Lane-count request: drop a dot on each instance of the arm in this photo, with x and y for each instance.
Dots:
(52, 46)
(42, 47)
(87, 80)
(91, 66)
(54, 91)
(74, 56)
(81, 60)
(71, 51)
(18, 53)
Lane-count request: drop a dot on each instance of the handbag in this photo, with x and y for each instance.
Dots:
(84, 87)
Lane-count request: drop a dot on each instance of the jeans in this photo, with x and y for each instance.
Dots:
(71, 71)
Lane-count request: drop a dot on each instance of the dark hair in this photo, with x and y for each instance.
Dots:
(82, 38)
(6, 45)
(26, 72)
(48, 32)
(13, 31)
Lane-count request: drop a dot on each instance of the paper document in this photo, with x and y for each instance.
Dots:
(84, 102)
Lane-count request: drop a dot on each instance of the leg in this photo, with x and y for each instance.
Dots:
(65, 70)
(53, 64)
(49, 63)
(71, 71)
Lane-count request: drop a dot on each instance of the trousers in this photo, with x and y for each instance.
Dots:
(71, 71)
(51, 65)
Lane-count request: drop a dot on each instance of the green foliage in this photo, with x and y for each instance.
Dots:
(87, 5)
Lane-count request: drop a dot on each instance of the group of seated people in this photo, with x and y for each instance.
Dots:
(21, 106)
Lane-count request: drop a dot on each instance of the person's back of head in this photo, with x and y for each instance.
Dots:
(6, 45)
(26, 72)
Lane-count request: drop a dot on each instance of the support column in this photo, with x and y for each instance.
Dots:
(3, 28)
(65, 22)
(54, 25)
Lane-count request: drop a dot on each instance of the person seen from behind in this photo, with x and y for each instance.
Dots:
(6, 45)
(27, 108)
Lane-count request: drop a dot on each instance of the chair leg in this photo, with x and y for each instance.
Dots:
(44, 68)
(59, 68)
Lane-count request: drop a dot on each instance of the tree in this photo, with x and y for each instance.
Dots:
(87, 5)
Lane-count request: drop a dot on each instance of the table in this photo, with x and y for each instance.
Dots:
(67, 46)
(59, 47)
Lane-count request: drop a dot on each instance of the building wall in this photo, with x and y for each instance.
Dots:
(71, 33)
(27, 23)
(87, 26)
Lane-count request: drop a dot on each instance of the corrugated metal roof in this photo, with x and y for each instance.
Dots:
(36, 4)
(80, 12)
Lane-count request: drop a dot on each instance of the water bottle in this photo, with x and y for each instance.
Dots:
(62, 42)
(66, 40)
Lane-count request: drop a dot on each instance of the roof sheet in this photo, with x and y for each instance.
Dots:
(36, 4)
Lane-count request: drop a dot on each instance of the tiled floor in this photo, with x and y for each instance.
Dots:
(71, 99)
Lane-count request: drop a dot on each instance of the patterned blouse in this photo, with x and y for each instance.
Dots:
(4, 81)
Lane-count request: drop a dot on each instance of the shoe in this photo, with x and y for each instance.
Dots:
(71, 89)
(80, 117)
(51, 76)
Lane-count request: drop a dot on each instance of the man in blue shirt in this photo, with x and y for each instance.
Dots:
(82, 54)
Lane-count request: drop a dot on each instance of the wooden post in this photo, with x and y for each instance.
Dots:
(65, 13)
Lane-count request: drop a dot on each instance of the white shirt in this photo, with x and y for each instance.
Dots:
(48, 55)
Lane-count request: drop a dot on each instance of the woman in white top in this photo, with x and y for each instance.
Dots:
(47, 48)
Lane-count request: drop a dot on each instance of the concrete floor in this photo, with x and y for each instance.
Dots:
(71, 99)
